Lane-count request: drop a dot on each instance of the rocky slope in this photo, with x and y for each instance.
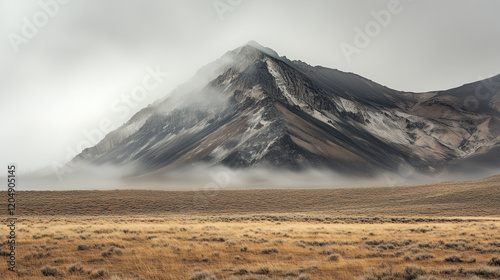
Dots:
(253, 108)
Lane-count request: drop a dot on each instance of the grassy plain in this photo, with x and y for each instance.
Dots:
(439, 231)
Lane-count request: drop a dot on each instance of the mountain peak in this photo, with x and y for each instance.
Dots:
(254, 44)
(261, 48)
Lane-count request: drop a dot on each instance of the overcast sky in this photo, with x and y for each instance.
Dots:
(65, 69)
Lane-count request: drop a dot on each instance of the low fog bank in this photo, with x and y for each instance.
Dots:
(202, 177)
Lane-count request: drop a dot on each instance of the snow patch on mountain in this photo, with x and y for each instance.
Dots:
(280, 82)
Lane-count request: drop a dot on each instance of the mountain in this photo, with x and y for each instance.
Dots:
(253, 108)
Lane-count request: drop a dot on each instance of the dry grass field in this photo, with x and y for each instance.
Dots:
(472, 198)
(443, 231)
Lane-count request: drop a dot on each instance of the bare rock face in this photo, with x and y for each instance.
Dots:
(252, 108)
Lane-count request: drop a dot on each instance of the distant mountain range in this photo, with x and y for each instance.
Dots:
(253, 108)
